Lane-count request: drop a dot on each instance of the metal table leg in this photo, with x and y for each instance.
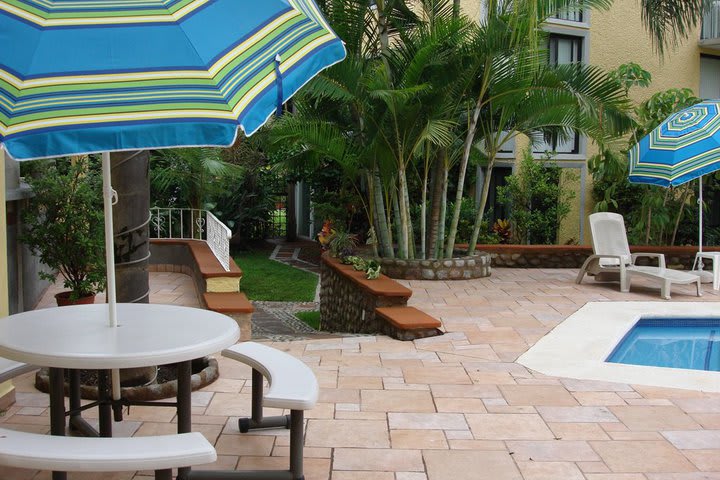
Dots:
(57, 409)
(105, 408)
(184, 404)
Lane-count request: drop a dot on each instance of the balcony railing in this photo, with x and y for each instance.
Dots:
(571, 15)
(192, 224)
(711, 23)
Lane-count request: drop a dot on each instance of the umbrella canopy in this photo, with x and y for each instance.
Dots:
(685, 146)
(83, 77)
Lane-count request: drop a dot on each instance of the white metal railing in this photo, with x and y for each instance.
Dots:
(711, 22)
(192, 224)
(570, 14)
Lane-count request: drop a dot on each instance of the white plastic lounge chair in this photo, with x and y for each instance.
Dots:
(612, 255)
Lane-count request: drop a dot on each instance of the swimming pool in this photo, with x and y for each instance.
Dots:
(580, 346)
(691, 343)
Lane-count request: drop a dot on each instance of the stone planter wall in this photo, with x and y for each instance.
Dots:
(348, 301)
(573, 256)
(461, 268)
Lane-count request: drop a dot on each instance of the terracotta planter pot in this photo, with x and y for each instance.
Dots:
(63, 299)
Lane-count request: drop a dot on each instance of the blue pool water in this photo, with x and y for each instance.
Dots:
(671, 342)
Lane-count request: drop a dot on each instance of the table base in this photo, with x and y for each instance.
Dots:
(106, 406)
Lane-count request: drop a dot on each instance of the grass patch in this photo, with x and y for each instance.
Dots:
(265, 279)
(310, 318)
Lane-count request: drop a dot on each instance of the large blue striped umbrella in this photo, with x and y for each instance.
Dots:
(685, 146)
(102, 75)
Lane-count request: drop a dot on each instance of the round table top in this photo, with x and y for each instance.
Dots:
(79, 336)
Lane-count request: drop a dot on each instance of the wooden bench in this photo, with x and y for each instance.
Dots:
(410, 321)
(82, 454)
(292, 386)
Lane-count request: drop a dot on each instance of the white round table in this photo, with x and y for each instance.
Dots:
(80, 337)
(147, 334)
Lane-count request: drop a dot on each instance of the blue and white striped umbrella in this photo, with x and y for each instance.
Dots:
(685, 146)
(682, 148)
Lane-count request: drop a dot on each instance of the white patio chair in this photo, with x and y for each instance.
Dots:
(612, 256)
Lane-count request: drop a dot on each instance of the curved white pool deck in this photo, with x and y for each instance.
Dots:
(578, 347)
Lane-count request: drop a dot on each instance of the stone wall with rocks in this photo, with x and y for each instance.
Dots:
(573, 256)
(345, 306)
(461, 268)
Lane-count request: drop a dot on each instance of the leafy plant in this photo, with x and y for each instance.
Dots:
(503, 230)
(64, 225)
(372, 271)
(538, 203)
(342, 244)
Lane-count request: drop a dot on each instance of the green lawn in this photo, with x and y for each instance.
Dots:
(311, 318)
(265, 279)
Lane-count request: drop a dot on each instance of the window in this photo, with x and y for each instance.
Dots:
(709, 77)
(562, 49)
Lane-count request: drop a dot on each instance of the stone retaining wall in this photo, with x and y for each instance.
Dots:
(346, 307)
(573, 256)
(461, 268)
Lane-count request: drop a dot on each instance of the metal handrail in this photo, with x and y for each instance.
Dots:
(192, 224)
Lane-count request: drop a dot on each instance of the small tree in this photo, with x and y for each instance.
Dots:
(64, 225)
(538, 203)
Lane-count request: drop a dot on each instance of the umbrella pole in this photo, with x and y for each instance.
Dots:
(109, 244)
(700, 206)
(110, 259)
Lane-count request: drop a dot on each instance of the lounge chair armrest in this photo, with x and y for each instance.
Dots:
(621, 260)
(659, 256)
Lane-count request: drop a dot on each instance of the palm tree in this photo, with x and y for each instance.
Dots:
(671, 21)
(404, 113)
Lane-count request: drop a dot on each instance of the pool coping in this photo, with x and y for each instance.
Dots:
(578, 347)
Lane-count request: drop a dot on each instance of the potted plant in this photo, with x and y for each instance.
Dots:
(64, 227)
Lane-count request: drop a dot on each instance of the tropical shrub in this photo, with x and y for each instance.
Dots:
(64, 224)
(538, 203)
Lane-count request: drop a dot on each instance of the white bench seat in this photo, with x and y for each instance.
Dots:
(292, 386)
(117, 454)
(10, 369)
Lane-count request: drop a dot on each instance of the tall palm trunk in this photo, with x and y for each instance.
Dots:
(467, 147)
(130, 223)
(437, 183)
(380, 215)
(443, 209)
(404, 240)
(481, 209)
(423, 206)
(130, 179)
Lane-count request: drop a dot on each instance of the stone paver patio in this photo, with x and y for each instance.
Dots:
(453, 407)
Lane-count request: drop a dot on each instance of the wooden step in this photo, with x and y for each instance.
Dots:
(228, 302)
(408, 318)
